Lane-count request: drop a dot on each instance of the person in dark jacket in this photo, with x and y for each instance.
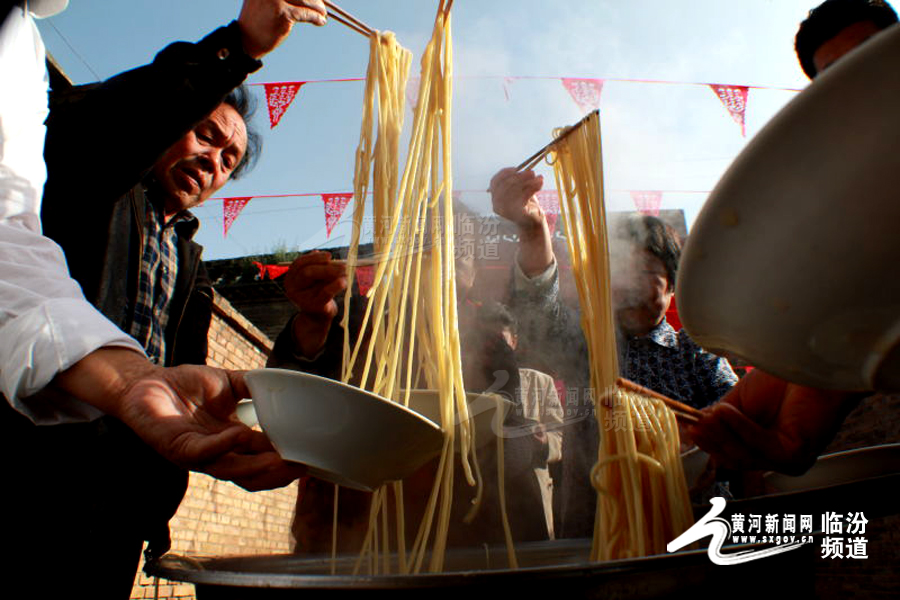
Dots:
(126, 160)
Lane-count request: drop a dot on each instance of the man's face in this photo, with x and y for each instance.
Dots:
(845, 41)
(201, 162)
(640, 291)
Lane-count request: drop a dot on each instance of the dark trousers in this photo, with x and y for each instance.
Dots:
(79, 502)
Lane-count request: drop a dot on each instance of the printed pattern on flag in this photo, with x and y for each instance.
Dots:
(231, 208)
(549, 202)
(647, 202)
(734, 97)
(585, 92)
(279, 97)
(334, 209)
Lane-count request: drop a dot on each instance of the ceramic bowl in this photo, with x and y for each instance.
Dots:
(792, 263)
(343, 434)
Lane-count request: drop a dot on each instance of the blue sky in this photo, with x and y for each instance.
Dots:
(672, 137)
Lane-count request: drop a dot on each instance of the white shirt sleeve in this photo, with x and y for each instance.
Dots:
(46, 325)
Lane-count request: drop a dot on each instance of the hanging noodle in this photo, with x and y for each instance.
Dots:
(642, 497)
(412, 335)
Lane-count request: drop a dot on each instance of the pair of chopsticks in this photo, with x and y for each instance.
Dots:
(341, 16)
(683, 412)
(534, 159)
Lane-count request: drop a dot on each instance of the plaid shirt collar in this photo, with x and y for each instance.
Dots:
(158, 274)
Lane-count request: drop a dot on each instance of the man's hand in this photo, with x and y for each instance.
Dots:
(266, 23)
(185, 413)
(311, 284)
(767, 423)
(513, 198)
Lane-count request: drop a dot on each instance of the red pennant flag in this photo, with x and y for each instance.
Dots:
(334, 208)
(279, 97)
(646, 202)
(549, 202)
(507, 83)
(560, 386)
(672, 315)
(585, 92)
(231, 208)
(734, 97)
(365, 276)
(412, 92)
(276, 271)
(272, 271)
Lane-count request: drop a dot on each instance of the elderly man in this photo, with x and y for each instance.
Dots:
(644, 261)
(100, 452)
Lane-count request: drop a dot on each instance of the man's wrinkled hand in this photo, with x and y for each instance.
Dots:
(187, 415)
(266, 23)
(311, 284)
(513, 197)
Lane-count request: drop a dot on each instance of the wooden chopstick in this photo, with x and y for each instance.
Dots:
(535, 158)
(348, 24)
(342, 16)
(682, 411)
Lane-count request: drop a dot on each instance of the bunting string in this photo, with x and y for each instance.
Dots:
(585, 91)
(335, 204)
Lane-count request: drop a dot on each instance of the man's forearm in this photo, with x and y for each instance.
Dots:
(535, 248)
(102, 377)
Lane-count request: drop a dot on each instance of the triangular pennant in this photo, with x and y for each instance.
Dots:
(365, 276)
(647, 202)
(334, 208)
(560, 386)
(549, 202)
(412, 92)
(276, 271)
(272, 271)
(279, 97)
(585, 92)
(262, 270)
(231, 208)
(672, 315)
(734, 97)
(507, 84)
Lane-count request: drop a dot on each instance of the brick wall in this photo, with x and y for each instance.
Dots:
(218, 517)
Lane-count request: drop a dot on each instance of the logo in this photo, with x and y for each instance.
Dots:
(843, 534)
(720, 531)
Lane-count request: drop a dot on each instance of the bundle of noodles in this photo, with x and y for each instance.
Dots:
(642, 497)
(411, 316)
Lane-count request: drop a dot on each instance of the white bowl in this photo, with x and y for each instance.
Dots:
(841, 468)
(482, 410)
(792, 263)
(344, 434)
